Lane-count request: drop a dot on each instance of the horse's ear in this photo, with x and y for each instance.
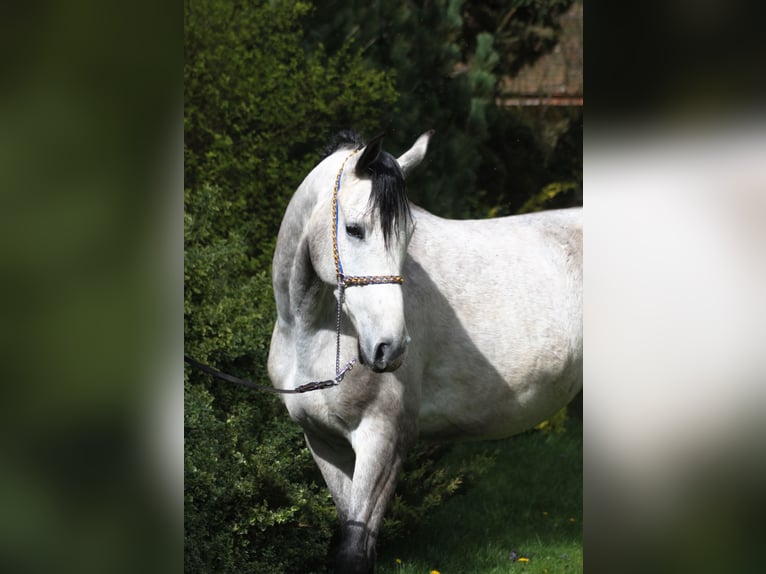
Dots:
(369, 156)
(413, 156)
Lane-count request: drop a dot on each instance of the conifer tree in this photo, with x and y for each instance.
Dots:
(446, 57)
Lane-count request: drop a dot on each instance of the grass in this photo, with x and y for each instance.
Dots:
(529, 505)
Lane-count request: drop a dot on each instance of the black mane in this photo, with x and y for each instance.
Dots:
(344, 139)
(388, 199)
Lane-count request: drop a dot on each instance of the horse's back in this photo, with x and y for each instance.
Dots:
(497, 310)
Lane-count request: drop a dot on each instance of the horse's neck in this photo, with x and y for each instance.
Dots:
(301, 298)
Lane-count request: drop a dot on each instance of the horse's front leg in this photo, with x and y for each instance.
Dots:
(380, 448)
(335, 460)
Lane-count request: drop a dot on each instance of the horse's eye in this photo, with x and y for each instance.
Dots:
(354, 230)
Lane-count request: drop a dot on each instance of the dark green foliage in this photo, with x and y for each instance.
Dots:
(522, 29)
(541, 149)
(252, 501)
(258, 106)
(250, 483)
(425, 483)
(446, 57)
(420, 44)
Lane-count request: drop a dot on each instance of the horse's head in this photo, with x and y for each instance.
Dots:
(374, 227)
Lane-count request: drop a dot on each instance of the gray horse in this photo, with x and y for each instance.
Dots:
(464, 329)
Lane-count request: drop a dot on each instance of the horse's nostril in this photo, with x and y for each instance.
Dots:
(380, 352)
(387, 356)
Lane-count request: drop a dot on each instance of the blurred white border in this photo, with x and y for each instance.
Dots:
(675, 328)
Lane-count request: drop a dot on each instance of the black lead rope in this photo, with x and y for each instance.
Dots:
(312, 386)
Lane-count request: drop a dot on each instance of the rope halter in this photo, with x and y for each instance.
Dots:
(349, 280)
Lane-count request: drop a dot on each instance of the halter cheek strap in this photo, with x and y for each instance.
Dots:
(352, 280)
(348, 280)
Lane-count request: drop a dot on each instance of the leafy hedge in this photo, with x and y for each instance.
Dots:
(257, 107)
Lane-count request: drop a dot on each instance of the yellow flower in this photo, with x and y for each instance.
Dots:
(398, 560)
(434, 572)
(523, 559)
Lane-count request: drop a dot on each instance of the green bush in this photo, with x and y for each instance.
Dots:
(252, 501)
(426, 482)
(258, 105)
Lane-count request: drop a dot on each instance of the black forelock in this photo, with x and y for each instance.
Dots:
(388, 198)
(389, 194)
